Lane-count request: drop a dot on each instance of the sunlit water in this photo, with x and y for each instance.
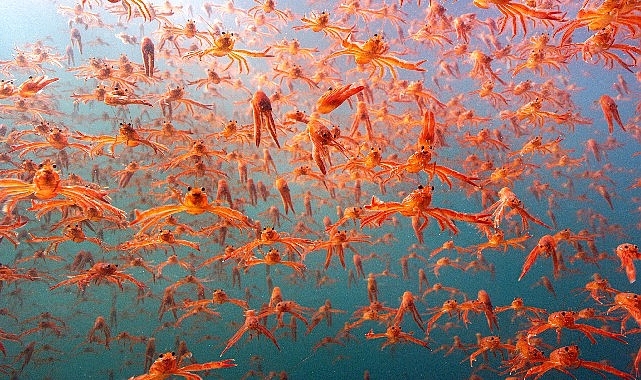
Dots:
(70, 355)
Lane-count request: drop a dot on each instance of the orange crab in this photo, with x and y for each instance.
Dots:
(613, 14)
(195, 152)
(322, 138)
(213, 78)
(483, 140)
(101, 271)
(489, 343)
(177, 94)
(567, 319)
(324, 312)
(545, 246)
(269, 236)
(267, 7)
(168, 365)
(320, 22)
(285, 194)
(263, 117)
(627, 252)
(194, 202)
(252, 322)
(278, 306)
(376, 52)
(72, 214)
(98, 94)
(72, 232)
(601, 45)
(195, 308)
(174, 32)
(233, 132)
(567, 357)
(162, 238)
(127, 135)
(362, 166)
(122, 97)
(46, 184)
(417, 204)
(520, 309)
(599, 288)
(148, 56)
(8, 275)
(524, 355)
(219, 297)
(421, 160)
(449, 306)
(420, 94)
(532, 113)
(56, 138)
(507, 198)
(334, 97)
(125, 175)
(338, 241)
(223, 45)
(307, 172)
(289, 72)
(375, 311)
(408, 305)
(610, 112)
(394, 335)
(8, 228)
(630, 302)
(101, 70)
(496, 240)
(536, 145)
(293, 48)
(7, 89)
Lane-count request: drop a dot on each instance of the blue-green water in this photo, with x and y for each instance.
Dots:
(571, 194)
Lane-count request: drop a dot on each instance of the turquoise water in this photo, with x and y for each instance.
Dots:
(570, 191)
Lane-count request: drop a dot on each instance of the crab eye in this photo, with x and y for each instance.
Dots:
(202, 189)
(188, 188)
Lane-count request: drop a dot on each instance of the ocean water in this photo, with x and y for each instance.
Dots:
(568, 83)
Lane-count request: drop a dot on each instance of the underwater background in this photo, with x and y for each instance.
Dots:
(585, 179)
